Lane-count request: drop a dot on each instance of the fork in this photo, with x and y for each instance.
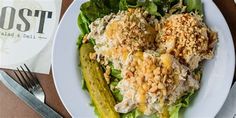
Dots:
(30, 82)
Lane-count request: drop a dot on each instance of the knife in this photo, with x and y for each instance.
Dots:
(41, 108)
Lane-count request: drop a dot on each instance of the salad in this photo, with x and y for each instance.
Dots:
(143, 57)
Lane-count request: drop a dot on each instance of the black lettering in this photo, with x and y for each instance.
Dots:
(27, 24)
(3, 17)
(42, 19)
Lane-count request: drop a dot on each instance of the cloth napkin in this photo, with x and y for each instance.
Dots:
(27, 30)
(229, 108)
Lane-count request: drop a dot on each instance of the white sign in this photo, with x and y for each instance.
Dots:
(26, 32)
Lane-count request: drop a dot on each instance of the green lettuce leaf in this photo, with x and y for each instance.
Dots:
(116, 92)
(114, 72)
(182, 103)
(80, 40)
(123, 5)
(154, 116)
(84, 87)
(137, 114)
(114, 5)
(174, 110)
(194, 6)
(118, 97)
(95, 110)
(94, 9)
(152, 8)
(83, 24)
(156, 8)
(133, 114)
(92, 41)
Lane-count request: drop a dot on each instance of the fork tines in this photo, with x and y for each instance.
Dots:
(26, 78)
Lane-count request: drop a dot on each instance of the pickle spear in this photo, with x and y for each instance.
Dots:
(96, 84)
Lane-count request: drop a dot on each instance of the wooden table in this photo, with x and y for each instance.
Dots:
(12, 107)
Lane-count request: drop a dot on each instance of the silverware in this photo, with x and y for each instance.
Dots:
(41, 108)
(30, 82)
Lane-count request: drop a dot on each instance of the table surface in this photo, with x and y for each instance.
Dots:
(12, 107)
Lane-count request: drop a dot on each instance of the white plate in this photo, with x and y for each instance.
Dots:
(215, 85)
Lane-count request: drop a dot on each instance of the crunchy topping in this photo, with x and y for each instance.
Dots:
(93, 56)
(158, 76)
(119, 35)
(107, 74)
(188, 38)
(131, 30)
(85, 39)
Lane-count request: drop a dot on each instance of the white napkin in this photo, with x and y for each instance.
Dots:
(229, 108)
(26, 41)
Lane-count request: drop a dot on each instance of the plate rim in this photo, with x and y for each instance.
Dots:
(52, 59)
(53, 49)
